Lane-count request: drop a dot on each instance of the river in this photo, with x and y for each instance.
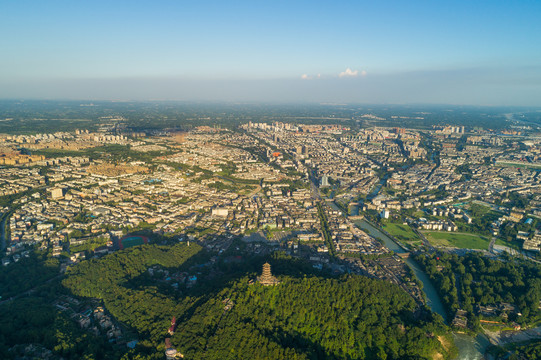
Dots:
(432, 298)
(378, 187)
(469, 348)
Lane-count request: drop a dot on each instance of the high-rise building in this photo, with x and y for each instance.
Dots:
(324, 181)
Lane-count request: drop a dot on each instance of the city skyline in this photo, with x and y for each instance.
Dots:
(363, 52)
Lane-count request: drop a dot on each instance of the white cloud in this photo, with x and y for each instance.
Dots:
(351, 73)
(346, 73)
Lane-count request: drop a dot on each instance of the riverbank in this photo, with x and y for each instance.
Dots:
(501, 338)
(432, 298)
(470, 347)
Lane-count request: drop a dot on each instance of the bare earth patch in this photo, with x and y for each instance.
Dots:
(446, 345)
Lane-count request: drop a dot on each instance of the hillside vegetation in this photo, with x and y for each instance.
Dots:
(312, 317)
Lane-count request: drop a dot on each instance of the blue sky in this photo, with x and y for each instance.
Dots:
(466, 52)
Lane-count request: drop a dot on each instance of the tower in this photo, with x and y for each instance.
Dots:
(266, 277)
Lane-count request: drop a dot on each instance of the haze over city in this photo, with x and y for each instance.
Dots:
(347, 180)
(479, 53)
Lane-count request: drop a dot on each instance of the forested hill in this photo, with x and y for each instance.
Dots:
(312, 317)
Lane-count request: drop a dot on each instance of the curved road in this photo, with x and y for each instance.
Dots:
(3, 233)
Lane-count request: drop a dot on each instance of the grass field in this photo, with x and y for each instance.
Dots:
(511, 164)
(479, 209)
(401, 232)
(512, 244)
(459, 240)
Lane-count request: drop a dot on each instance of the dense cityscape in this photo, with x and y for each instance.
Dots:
(448, 213)
(276, 180)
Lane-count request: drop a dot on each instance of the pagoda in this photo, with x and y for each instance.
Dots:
(266, 277)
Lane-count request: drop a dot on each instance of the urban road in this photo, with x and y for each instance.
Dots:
(3, 232)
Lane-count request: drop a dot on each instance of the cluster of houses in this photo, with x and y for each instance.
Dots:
(96, 320)
(533, 244)
(503, 310)
(174, 279)
(438, 225)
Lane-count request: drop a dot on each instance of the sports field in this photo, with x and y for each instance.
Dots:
(129, 241)
(458, 240)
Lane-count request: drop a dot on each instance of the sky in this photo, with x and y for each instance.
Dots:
(446, 52)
